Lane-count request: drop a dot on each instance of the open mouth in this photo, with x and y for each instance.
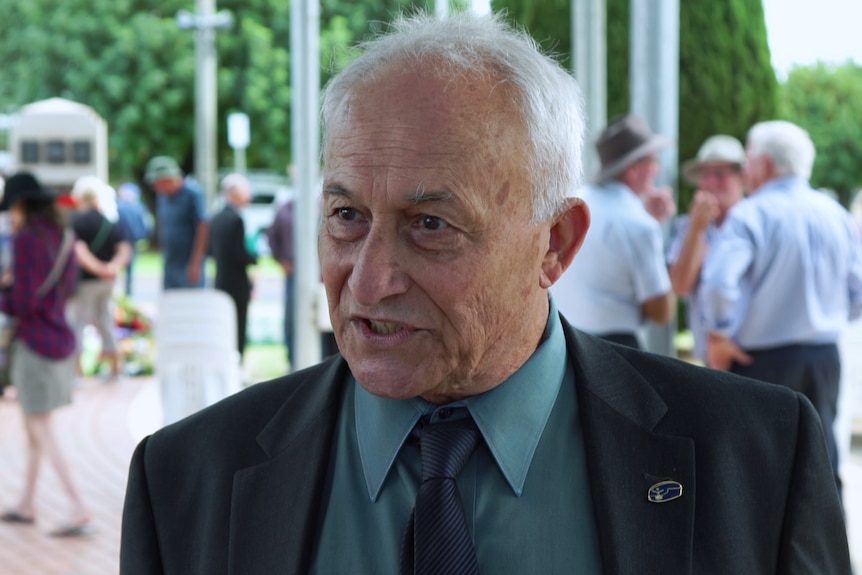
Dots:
(384, 327)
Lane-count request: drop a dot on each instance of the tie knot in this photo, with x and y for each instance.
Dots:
(445, 448)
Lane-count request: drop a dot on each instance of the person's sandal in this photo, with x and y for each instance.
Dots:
(15, 517)
(73, 530)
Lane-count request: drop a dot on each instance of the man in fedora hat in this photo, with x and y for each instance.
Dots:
(620, 277)
(182, 221)
(717, 173)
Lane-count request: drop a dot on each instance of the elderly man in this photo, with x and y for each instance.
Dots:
(785, 276)
(228, 248)
(466, 427)
(620, 279)
(182, 224)
(717, 173)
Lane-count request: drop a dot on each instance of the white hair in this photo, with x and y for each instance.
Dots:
(547, 95)
(232, 181)
(789, 146)
(92, 190)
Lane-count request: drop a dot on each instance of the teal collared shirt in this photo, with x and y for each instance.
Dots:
(525, 490)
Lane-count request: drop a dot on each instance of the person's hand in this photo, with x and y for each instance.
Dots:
(721, 353)
(107, 271)
(7, 278)
(703, 210)
(193, 273)
(659, 203)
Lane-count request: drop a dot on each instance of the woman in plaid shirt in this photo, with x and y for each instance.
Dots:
(42, 366)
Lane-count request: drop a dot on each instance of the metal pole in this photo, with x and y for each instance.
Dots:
(206, 100)
(239, 160)
(654, 77)
(590, 68)
(305, 86)
(441, 8)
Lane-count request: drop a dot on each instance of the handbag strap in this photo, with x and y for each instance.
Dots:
(59, 263)
(101, 236)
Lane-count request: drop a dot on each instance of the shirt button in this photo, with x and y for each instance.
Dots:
(445, 413)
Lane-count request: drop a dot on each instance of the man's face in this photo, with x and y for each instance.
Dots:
(167, 186)
(757, 170)
(242, 194)
(643, 174)
(431, 265)
(722, 180)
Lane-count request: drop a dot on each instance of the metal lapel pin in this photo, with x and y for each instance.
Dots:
(665, 491)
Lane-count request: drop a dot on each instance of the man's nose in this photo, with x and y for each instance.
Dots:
(378, 271)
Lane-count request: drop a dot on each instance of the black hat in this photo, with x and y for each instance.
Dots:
(24, 186)
(625, 141)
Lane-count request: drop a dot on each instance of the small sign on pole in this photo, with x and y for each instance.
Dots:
(238, 136)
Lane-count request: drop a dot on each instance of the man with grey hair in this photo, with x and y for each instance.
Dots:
(784, 276)
(466, 427)
(227, 246)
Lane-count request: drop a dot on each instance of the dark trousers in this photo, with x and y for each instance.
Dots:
(814, 371)
(241, 321)
(627, 339)
(289, 291)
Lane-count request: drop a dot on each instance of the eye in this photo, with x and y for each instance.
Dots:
(346, 214)
(432, 223)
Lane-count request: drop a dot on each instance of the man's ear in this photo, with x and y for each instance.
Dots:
(566, 237)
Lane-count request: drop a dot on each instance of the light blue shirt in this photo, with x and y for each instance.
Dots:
(786, 269)
(620, 266)
(525, 491)
(694, 302)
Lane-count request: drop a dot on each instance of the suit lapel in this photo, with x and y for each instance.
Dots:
(276, 505)
(626, 456)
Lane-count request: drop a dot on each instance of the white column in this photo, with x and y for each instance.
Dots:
(305, 86)
(480, 7)
(589, 58)
(654, 77)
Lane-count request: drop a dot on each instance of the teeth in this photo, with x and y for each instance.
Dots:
(384, 328)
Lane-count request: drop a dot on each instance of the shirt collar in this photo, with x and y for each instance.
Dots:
(619, 188)
(782, 184)
(527, 398)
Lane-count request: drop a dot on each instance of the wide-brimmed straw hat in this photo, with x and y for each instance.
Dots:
(622, 143)
(24, 186)
(719, 149)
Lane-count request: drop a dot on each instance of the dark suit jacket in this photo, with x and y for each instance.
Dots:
(227, 247)
(237, 488)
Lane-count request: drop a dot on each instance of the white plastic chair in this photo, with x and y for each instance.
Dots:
(197, 362)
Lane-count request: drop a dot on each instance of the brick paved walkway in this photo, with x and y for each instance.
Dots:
(98, 433)
(97, 439)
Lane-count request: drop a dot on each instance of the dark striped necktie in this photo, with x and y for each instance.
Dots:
(436, 541)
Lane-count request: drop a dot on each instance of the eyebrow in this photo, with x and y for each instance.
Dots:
(421, 195)
(336, 190)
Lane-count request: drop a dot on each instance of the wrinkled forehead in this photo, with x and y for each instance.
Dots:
(439, 100)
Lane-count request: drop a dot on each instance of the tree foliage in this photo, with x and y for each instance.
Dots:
(130, 61)
(826, 100)
(727, 83)
(726, 80)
